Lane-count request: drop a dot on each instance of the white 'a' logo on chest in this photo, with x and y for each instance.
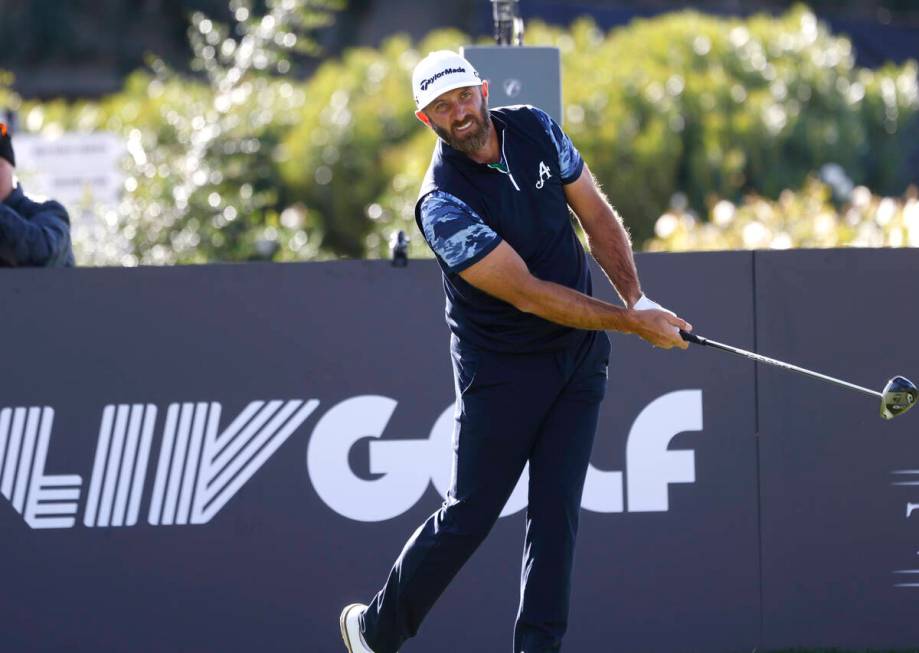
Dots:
(544, 173)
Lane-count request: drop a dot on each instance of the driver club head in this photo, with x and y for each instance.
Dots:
(899, 396)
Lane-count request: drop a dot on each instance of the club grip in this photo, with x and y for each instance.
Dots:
(690, 337)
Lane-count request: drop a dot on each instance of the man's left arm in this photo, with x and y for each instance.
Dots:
(607, 237)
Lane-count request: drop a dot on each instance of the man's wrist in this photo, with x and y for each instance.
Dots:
(630, 320)
(644, 303)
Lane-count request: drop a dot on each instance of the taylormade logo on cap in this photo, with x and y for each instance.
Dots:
(427, 82)
(439, 72)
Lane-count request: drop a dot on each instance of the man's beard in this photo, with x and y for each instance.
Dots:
(474, 138)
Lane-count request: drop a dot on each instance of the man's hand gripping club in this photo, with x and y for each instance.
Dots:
(663, 322)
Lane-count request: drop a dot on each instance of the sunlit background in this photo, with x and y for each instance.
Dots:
(193, 131)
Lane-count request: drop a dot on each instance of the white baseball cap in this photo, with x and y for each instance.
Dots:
(439, 72)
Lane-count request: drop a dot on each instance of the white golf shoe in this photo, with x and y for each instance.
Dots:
(351, 628)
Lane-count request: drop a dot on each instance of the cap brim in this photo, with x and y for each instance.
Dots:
(447, 89)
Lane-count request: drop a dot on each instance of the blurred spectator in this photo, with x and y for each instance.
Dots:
(32, 233)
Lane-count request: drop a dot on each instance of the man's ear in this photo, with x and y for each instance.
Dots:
(485, 88)
(423, 118)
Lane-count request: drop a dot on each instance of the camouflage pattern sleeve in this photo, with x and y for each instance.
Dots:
(455, 232)
(569, 159)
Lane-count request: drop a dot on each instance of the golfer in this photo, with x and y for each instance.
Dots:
(528, 346)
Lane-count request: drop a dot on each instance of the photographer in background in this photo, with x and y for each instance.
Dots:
(32, 233)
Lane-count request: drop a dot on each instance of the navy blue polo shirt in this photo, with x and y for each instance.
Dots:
(465, 209)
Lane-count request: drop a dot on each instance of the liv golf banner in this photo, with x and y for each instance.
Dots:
(219, 458)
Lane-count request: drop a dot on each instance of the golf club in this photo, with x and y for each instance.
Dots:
(898, 396)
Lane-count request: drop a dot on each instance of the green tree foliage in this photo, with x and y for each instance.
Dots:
(212, 190)
(714, 106)
(250, 163)
(356, 139)
(202, 177)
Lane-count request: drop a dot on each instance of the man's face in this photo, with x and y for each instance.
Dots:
(6, 179)
(460, 117)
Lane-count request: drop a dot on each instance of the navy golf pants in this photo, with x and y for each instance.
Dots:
(510, 409)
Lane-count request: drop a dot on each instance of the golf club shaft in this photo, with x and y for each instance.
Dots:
(705, 342)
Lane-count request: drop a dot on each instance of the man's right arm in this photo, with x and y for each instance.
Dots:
(467, 246)
(503, 274)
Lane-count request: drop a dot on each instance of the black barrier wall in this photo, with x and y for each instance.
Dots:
(219, 458)
(840, 538)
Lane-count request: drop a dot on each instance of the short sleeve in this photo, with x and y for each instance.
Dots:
(456, 233)
(569, 159)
